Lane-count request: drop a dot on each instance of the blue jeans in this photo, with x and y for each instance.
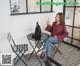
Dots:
(47, 44)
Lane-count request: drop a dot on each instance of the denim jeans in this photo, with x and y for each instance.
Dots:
(47, 44)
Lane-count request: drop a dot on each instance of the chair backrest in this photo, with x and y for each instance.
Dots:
(10, 39)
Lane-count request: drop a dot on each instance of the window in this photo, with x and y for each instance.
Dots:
(72, 14)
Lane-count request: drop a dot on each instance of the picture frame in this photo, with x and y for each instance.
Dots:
(14, 6)
(19, 7)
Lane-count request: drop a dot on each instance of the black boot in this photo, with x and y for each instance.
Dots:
(48, 59)
(47, 62)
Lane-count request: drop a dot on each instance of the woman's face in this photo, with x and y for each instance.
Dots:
(57, 18)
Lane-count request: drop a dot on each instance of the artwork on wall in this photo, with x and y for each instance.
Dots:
(15, 6)
(29, 7)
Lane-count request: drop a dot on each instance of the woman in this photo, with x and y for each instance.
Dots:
(58, 33)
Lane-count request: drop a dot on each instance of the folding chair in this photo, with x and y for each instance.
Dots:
(56, 48)
(19, 50)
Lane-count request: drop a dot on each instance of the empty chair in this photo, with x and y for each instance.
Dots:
(19, 50)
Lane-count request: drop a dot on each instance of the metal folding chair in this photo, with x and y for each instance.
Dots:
(19, 50)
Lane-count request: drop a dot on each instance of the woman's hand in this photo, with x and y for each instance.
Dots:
(48, 23)
(55, 36)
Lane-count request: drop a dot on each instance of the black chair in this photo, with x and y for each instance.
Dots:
(19, 50)
(56, 48)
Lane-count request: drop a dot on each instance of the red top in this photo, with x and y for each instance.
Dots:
(57, 30)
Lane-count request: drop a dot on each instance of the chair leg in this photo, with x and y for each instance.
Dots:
(20, 58)
(19, 54)
(52, 47)
(56, 50)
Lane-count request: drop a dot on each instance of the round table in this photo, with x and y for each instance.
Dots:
(44, 36)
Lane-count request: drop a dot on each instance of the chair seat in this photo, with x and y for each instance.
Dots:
(21, 47)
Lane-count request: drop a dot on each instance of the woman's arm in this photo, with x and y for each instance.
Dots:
(49, 28)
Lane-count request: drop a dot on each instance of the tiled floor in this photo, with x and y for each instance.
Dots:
(70, 57)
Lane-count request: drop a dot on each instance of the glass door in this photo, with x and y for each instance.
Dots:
(76, 32)
(72, 21)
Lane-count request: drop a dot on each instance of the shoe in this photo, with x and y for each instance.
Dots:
(49, 59)
(47, 63)
(42, 55)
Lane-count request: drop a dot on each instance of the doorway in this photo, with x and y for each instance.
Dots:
(72, 21)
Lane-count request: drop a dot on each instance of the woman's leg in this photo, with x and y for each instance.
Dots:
(47, 44)
(44, 48)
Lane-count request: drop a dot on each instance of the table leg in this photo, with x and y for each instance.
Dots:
(40, 46)
(34, 51)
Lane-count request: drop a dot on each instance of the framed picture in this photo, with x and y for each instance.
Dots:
(29, 6)
(15, 6)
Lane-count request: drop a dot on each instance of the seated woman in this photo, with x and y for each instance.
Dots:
(58, 33)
